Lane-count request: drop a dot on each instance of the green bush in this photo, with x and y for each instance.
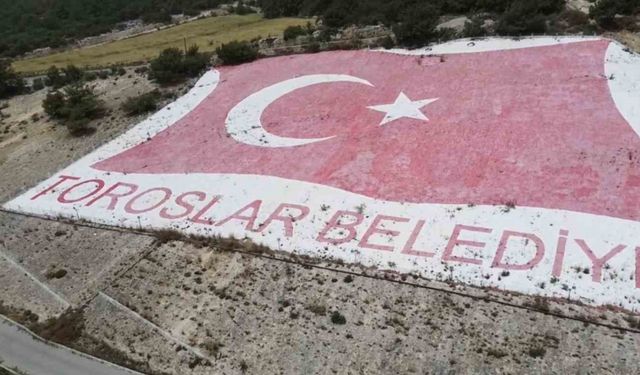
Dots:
(418, 26)
(54, 78)
(118, 71)
(141, 70)
(195, 62)
(293, 32)
(142, 104)
(72, 74)
(313, 47)
(604, 11)
(473, 28)
(54, 105)
(525, 17)
(173, 66)
(167, 67)
(388, 43)
(280, 8)
(90, 76)
(38, 84)
(103, 74)
(75, 107)
(10, 83)
(575, 17)
(234, 53)
(158, 16)
(58, 78)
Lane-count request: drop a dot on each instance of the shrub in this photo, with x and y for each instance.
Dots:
(53, 104)
(473, 28)
(388, 43)
(90, 76)
(418, 26)
(38, 84)
(575, 17)
(75, 107)
(54, 78)
(313, 47)
(337, 318)
(292, 32)
(167, 67)
(118, 71)
(57, 78)
(604, 11)
(142, 104)
(173, 66)
(103, 74)
(141, 70)
(527, 16)
(280, 8)
(72, 74)
(340, 13)
(195, 62)
(235, 52)
(10, 83)
(158, 16)
(325, 35)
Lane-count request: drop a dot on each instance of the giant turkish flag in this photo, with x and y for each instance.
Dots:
(534, 126)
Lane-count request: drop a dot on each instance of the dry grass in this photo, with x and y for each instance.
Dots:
(629, 39)
(207, 33)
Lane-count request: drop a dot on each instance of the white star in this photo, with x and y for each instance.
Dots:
(403, 107)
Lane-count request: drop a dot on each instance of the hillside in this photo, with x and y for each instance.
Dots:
(30, 24)
(207, 33)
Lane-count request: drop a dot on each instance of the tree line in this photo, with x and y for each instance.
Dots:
(26, 25)
(414, 21)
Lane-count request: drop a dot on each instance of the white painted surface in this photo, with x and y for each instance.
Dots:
(622, 69)
(490, 44)
(403, 107)
(602, 234)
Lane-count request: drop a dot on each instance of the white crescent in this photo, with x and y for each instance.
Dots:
(243, 121)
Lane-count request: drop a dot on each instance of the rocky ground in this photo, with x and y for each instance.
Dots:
(166, 305)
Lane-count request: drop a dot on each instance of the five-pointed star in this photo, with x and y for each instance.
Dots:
(403, 107)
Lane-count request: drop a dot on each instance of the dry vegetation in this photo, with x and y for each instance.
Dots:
(207, 33)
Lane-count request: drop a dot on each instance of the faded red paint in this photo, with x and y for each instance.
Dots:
(599, 262)
(536, 126)
(62, 180)
(498, 261)
(408, 248)
(286, 220)
(379, 227)
(455, 241)
(113, 195)
(248, 214)
(337, 222)
(134, 207)
(64, 196)
(344, 226)
(183, 203)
